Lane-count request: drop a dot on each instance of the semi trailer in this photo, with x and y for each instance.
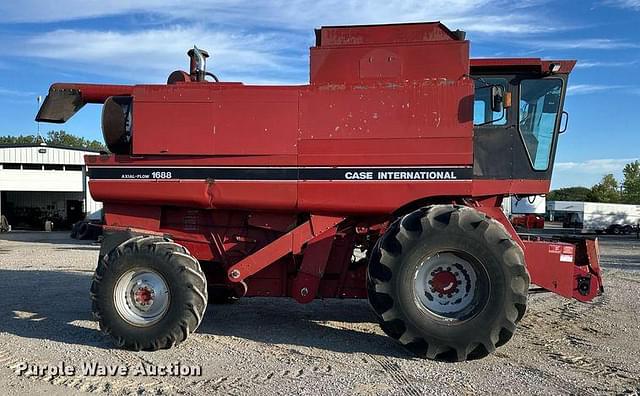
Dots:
(598, 217)
(400, 149)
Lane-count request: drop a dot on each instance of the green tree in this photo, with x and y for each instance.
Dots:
(22, 139)
(63, 138)
(59, 138)
(569, 194)
(605, 191)
(631, 183)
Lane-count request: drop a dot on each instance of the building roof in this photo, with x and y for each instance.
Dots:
(57, 146)
(43, 154)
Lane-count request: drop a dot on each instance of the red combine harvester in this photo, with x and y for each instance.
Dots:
(381, 179)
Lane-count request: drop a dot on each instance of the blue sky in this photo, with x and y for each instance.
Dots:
(266, 42)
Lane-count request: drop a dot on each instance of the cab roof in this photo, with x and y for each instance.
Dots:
(520, 64)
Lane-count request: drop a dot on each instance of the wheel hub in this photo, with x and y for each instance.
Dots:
(141, 297)
(445, 285)
(444, 282)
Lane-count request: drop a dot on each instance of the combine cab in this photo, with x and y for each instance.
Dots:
(381, 179)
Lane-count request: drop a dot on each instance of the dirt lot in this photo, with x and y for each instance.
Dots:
(275, 346)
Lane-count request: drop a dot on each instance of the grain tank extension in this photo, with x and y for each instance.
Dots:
(382, 179)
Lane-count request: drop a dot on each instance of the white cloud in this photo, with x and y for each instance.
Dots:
(590, 43)
(628, 4)
(587, 173)
(150, 55)
(585, 89)
(13, 92)
(483, 16)
(596, 166)
(590, 64)
(254, 42)
(498, 24)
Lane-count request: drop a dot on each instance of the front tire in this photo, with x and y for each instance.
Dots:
(149, 293)
(448, 283)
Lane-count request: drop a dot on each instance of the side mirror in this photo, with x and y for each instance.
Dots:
(497, 99)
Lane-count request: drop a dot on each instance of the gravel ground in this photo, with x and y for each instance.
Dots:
(276, 346)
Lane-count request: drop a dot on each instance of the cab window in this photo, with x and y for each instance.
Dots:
(482, 113)
(539, 107)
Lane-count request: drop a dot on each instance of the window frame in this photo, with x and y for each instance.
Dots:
(507, 88)
(555, 124)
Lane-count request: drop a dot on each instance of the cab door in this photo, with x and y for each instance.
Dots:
(520, 142)
(492, 140)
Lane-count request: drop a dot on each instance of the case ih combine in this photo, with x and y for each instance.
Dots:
(381, 179)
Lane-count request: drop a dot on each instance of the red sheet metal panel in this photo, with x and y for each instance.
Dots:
(199, 161)
(199, 119)
(304, 287)
(420, 122)
(280, 195)
(338, 36)
(291, 242)
(356, 64)
(551, 266)
(486, 187)
(372, 197)
(428, 108)
(386, 151)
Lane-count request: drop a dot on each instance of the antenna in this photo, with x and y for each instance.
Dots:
(39, 99)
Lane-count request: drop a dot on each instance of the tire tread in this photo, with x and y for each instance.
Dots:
(387, 257)
(171, 254)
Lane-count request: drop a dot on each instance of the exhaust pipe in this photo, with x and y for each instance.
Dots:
(197, 64)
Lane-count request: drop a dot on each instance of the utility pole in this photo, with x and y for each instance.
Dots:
(621, 193)
(39, 99)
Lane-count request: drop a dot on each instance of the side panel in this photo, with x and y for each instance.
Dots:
(373, 197)
(208, 119)
(426, 122)
(337, 190)
(403, 61)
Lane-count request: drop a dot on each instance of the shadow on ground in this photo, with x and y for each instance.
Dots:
(44, 305)
(55, 237)
(47, 305)
(335, 325)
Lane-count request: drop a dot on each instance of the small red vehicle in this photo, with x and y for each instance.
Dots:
(528, 221)
(382, 179)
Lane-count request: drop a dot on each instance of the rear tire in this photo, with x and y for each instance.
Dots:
(74, 230)
(149, 293)
(448, 283)
(83, 231)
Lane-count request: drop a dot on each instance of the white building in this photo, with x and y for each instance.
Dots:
(40, 182)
